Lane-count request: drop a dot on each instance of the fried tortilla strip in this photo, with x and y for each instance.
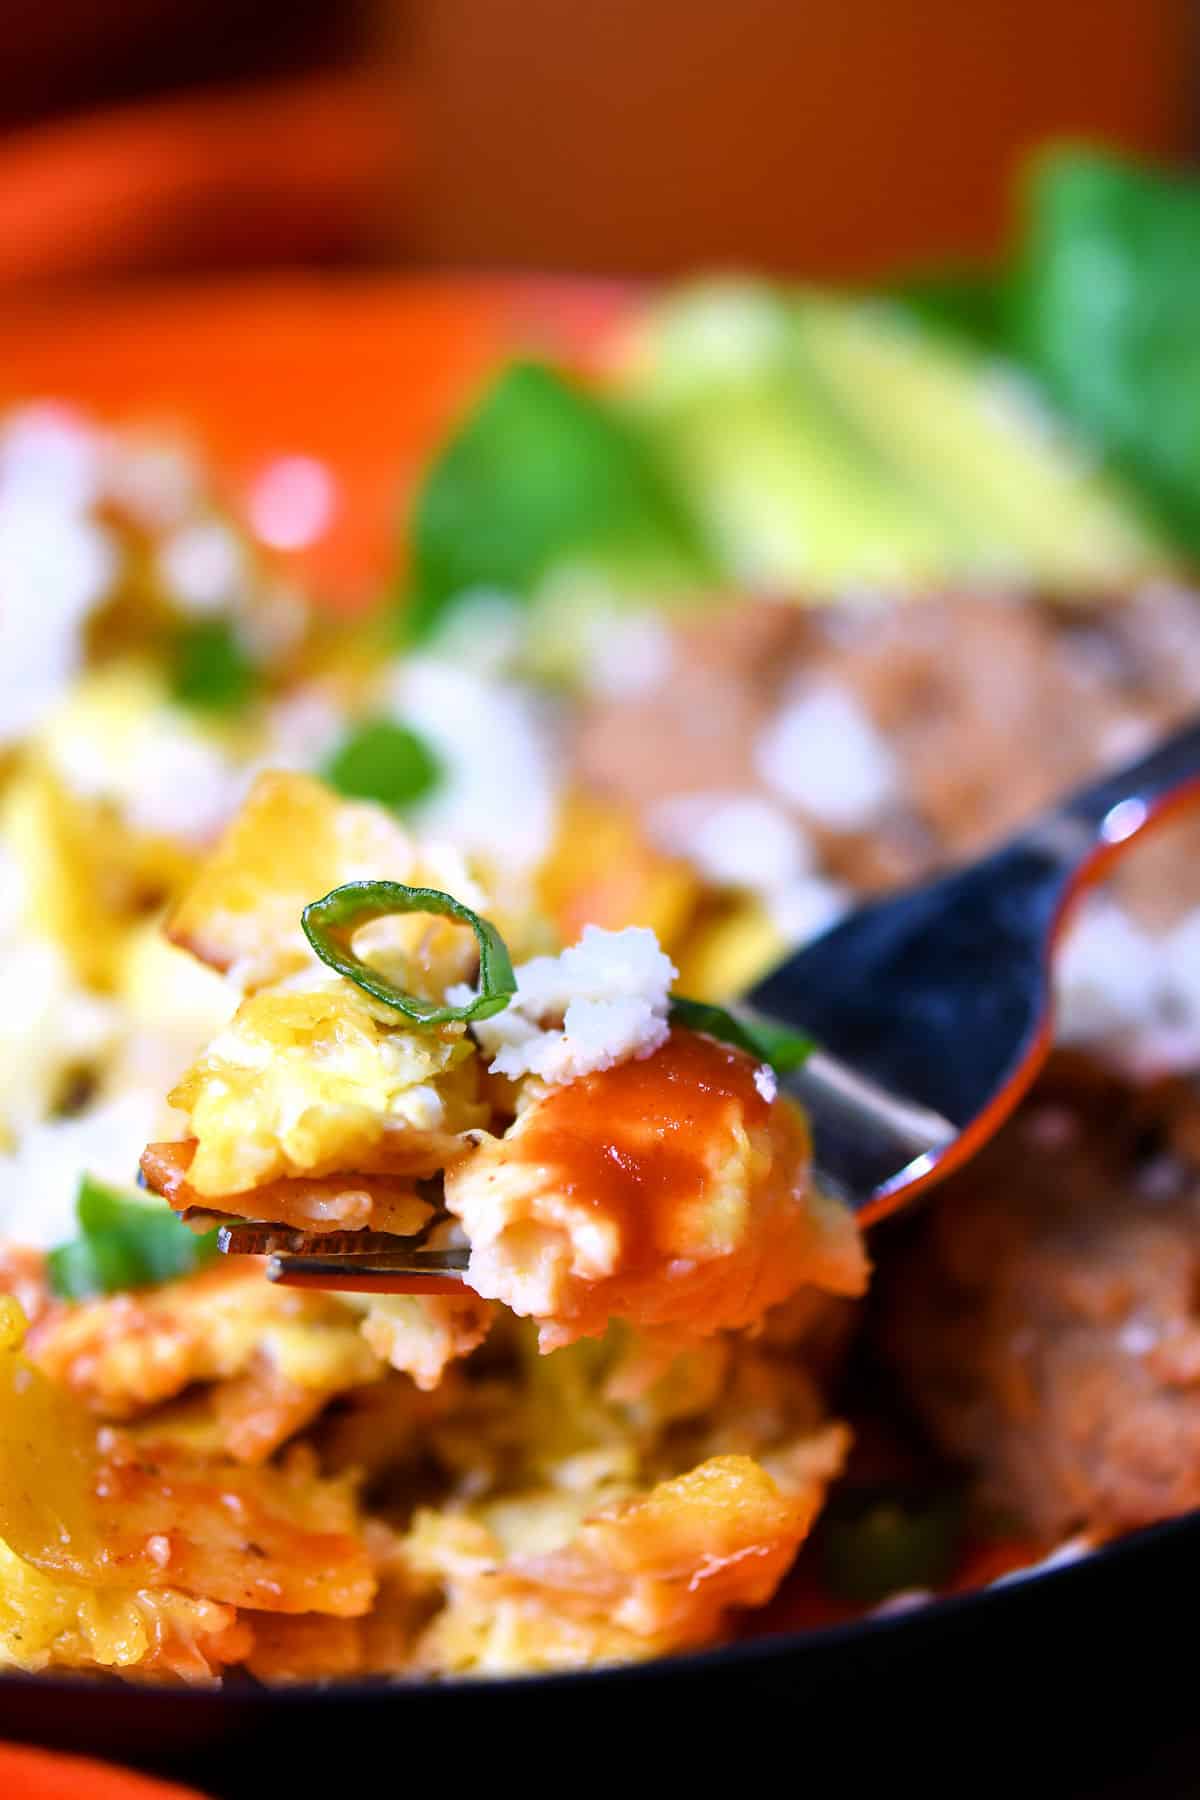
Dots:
(276, 1538)
(94, 1509)
(639, 1578)
(122, 1354)
(290, 1647)
(351, 1202)
(50, 1623)
(263, 1408)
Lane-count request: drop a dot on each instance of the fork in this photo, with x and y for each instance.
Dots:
(932, 1011)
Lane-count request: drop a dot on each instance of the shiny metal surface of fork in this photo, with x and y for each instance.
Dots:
(932, 1009)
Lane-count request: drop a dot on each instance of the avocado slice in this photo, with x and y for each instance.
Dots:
(792, 495)
(971, 434)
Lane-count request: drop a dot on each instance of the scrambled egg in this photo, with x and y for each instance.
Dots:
(314, 1079)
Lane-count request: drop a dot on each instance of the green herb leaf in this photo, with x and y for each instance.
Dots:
(880, 1541)
(126, 1241)
(784, 1050)
(383, 760)
(541, 474)
(1106, 310)
(329, 925)
(211, 670)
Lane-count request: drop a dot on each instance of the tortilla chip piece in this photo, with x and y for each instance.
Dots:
(639, 1578)
(351, 1202)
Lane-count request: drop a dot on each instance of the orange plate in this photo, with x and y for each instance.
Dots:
(365, 373)
(42, 1775)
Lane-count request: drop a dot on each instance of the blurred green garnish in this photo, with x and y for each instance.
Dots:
(784, 1050)
(383, 760)
(211, 669)
(1105, 309)
(878, 1542)
(543, 474)
(962, 303)
(125, 1241)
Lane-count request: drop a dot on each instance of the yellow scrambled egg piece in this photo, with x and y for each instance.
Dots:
(602, 870)
(317, 1080)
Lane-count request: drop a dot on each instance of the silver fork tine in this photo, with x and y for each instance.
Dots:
(399, 1272)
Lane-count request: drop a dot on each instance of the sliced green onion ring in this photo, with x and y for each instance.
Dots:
(330, 924)
(784, 1050)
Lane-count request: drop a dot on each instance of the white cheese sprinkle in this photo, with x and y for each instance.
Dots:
(498, 796)
(201, 566)
(600, 1003)
(733, 839)
(823, 754)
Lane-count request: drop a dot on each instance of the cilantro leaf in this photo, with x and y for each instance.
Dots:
(125, 1241)
(539, 475)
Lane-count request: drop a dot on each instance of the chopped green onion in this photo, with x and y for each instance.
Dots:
(880, 1542)
(383, 760)
(329, 925)
(784, 1050)
(211, 670)
(125, 1241)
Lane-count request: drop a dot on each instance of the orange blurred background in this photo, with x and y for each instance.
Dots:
(832, 137)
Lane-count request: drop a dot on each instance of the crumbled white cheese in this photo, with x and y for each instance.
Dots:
(293, 502)
(486, 631)
(733, 839)
(39, 1179)
(744, 840)
(56, 563)
(1180, 950)
(302, 730)
(498, 796)
(600, 1003)
(766, 1081)
(1108, 975)
(118, 739)
(155, 480)
(50, 458)
(202, 565)
(626, 654)
(822, 753)
(54, 568)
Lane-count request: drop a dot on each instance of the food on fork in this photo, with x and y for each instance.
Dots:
(601, 1160)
